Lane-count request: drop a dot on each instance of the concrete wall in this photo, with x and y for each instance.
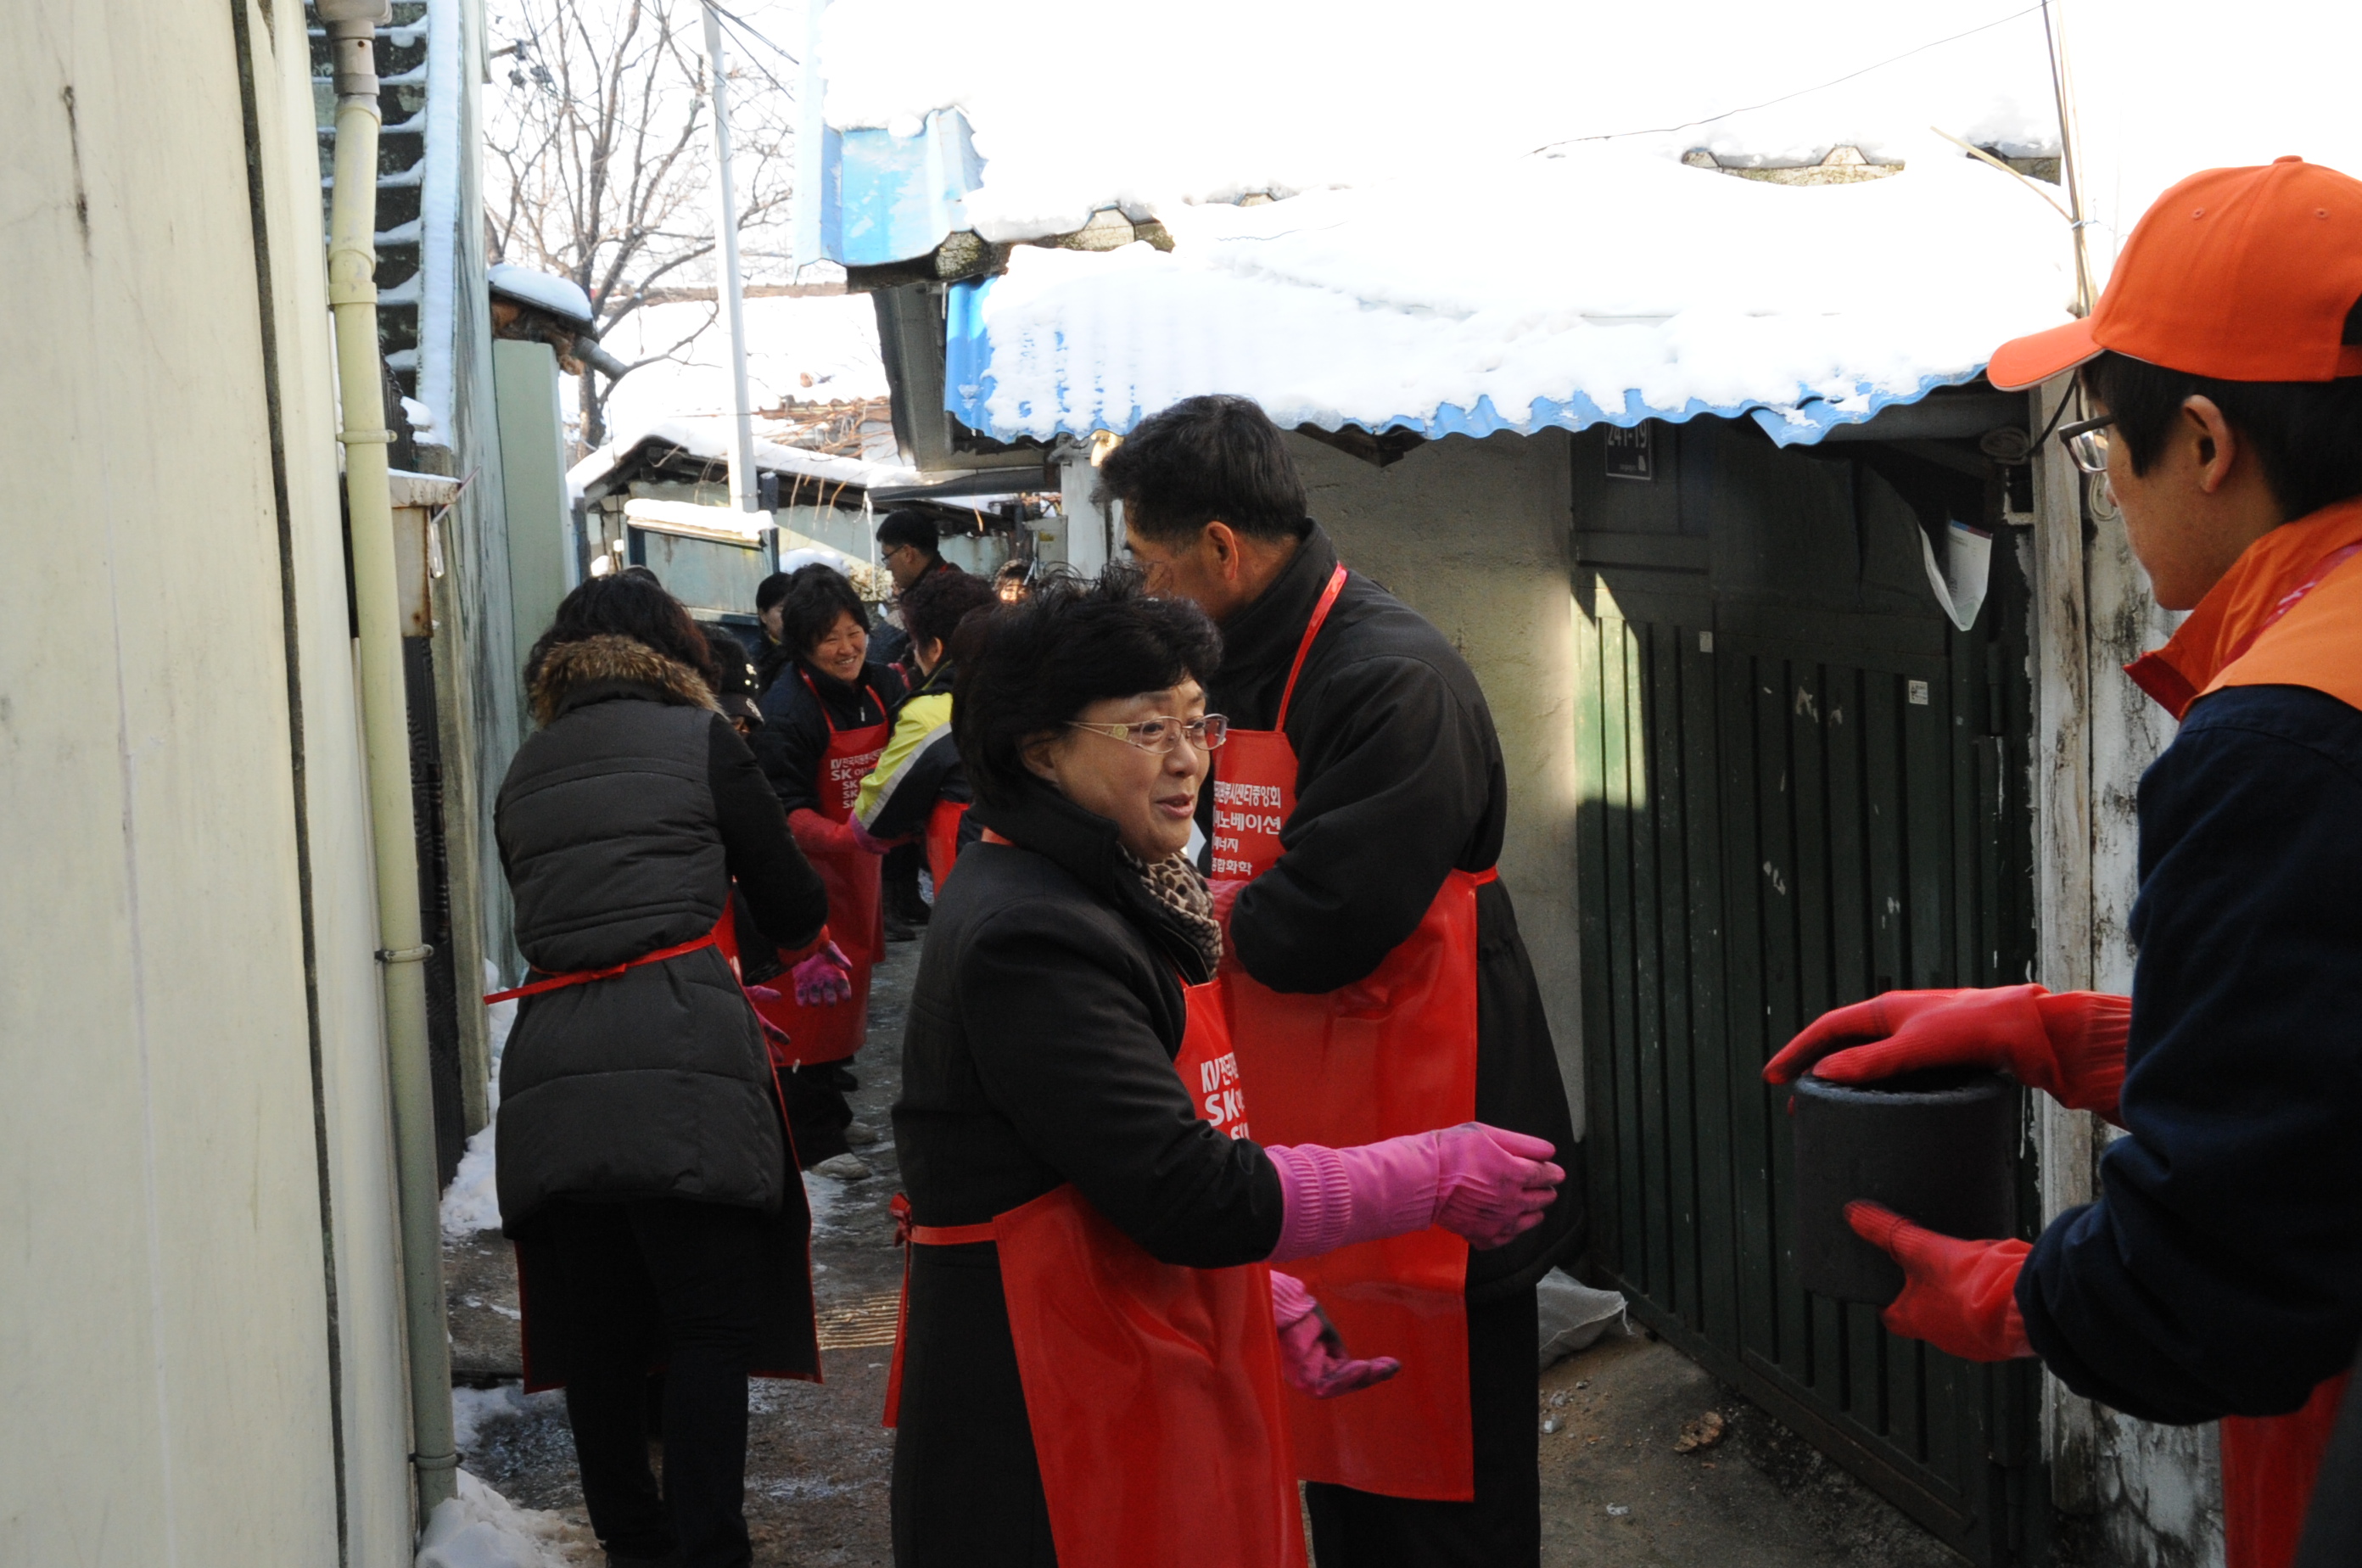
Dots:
(1474, 536)
(193, 1070)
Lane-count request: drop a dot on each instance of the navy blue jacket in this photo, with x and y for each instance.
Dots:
(2221, 1270)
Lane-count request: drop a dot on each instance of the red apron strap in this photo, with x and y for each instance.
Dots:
(583, 977)
(1311, 630)
(805, 676)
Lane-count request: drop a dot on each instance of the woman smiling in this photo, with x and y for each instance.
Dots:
(826, 718)
(1092, 1355)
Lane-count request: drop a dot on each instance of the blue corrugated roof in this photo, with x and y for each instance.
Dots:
(968, 386)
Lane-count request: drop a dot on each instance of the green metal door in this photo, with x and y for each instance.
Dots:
(1801, 787)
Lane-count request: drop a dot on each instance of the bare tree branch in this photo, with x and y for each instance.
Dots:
(600, 165)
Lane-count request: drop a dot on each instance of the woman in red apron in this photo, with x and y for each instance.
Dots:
(918, 791)
(642, 1163)
(825, 721)
(1093, 1348)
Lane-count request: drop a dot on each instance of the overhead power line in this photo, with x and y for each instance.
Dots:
(1799, 93)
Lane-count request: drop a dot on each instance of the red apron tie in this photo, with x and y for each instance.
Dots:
(583, 977)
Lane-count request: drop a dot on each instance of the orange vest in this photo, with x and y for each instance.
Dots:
(2289, 612)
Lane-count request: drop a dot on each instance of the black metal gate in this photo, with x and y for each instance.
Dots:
(1801, 786)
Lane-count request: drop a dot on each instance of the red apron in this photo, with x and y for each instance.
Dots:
(1393, 1054)
(856, 916)
(1152, 1391)
(943, 839)
(2289, 612)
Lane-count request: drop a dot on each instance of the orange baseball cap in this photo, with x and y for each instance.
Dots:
(2236, 274)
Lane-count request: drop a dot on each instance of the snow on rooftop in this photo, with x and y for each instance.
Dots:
(1601, 283)
(559, 296)
(710, 438)
(809, 348)
(1077, 106)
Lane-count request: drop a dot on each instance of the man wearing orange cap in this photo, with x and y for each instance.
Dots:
(2220, 1273)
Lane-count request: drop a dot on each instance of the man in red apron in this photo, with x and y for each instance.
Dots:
(1378, 986)
(2220, 1273)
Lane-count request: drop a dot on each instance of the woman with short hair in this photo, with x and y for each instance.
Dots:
(826, 719)
(1092, 1356)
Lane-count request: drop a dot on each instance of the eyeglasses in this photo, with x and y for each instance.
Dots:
(1162, 733)
(2086, 441)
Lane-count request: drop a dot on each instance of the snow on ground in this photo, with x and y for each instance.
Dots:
(1558, 278)
(473, 1409)
(471, 1202)
(480, 1528)
(1151, 110)
(827, 1194)
(810, 348)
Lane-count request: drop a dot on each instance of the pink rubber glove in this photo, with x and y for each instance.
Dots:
(1960, 1297)
(869, 842)
(824, 979)
(1312, 1355)
(1486, 1184)
(2070, 1046)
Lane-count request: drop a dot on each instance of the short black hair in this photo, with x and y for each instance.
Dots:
(771, 589)
(1203, 459)
(908, 528)
(816, 596)
(2307, 435)
(1031, 666)
(933, 607)
(624, 604)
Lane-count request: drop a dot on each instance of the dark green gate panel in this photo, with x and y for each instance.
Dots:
(1801, 787)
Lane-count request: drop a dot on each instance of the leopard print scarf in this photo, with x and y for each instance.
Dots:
(1176, 884)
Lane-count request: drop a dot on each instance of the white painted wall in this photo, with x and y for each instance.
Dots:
(2156, 1491)
(1474, 536)
(165, 1345)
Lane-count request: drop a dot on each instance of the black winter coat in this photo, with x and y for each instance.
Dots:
(1039, 1051)
(795, 729)
(621, 825)
(1400, 781)
(2221, 1270)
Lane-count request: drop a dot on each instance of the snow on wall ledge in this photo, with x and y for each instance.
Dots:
(1600, 286)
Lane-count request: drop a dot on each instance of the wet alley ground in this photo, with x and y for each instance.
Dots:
(1615, 1491)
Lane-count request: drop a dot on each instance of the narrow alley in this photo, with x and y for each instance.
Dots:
(1618, 1489)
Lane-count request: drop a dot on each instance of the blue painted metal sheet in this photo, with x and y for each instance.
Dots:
(879, 197)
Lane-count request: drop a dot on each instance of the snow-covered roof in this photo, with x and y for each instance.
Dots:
(710, 439)
(810, 348)
(1075, 105)
(1563, 289)
(559, 296)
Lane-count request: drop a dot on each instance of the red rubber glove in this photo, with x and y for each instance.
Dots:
(2070, 1046)
(1312, 1355)
(825, 978)
(1960, 1297)
(817, 835)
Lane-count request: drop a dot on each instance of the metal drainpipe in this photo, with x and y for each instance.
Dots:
(385, 725)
